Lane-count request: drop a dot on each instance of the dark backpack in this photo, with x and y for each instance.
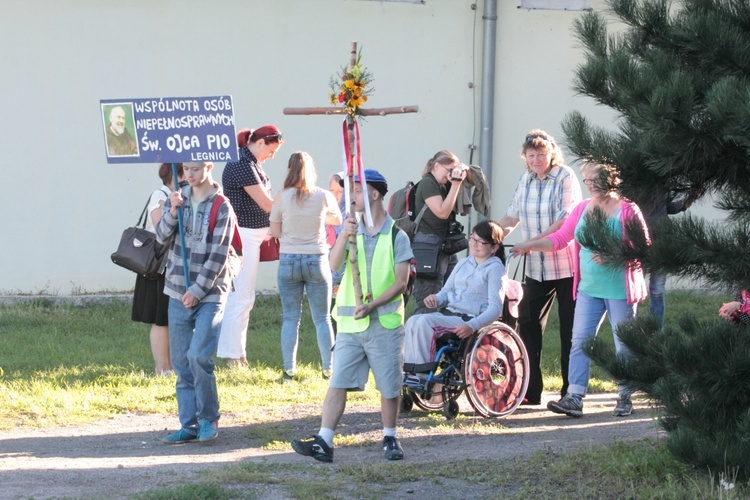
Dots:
(401, 208)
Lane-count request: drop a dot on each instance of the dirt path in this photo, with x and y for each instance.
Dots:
(124, 455)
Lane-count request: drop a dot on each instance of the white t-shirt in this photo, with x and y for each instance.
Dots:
(303, 225)
(160, 195)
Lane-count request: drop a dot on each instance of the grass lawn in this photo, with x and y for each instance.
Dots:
(64, 364)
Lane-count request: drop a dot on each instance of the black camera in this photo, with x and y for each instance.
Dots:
(455, 239)
(454, 227)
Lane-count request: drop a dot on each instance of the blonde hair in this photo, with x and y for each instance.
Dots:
(608, 176)
(300, 175)
(444, 157)
(539, 139)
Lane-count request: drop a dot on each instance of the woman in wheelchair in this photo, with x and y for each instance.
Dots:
(463, 346)
(472, 297)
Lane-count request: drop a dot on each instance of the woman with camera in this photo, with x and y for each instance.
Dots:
(437, 191)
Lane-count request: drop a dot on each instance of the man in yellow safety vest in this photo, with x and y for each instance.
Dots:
(371, 335)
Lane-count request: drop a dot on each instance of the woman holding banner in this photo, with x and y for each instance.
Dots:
(249, 190)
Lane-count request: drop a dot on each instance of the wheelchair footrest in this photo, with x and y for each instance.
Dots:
(420, 368)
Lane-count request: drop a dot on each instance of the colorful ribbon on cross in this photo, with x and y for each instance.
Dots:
(349, 159)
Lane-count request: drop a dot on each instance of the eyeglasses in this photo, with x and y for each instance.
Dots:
(478, 241)
(589, 182)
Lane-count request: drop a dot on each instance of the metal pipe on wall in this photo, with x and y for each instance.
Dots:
(487, 114)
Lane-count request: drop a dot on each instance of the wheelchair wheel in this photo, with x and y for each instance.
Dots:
(496, 371)
(450, 409)
(407, 402)
(435, 401)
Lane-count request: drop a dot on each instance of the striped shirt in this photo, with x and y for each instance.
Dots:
(207, 255)
(538, 204)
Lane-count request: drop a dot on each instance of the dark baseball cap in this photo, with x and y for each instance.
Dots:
(374, 179)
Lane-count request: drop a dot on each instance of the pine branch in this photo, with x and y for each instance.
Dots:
(678, 76)
(599, 236)
(693, 248)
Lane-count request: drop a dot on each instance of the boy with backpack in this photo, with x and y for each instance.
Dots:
(196, 308)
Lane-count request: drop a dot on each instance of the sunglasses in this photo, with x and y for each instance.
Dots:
(273, 138)
(531, 137)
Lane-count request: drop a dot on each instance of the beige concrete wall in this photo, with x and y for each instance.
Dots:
(66, 207)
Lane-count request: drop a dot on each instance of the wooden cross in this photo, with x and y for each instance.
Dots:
(352, 148)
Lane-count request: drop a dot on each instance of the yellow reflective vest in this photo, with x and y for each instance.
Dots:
(382, 276)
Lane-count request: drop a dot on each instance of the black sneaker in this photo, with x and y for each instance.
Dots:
(392, 448)
(314, 446)
(568, 405)
(624, 407)
(287, 377)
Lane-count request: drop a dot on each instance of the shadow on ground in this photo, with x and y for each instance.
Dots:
(124, 455)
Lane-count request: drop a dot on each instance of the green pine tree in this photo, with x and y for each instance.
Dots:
(678, 75)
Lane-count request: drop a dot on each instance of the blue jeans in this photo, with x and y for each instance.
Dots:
(193, 335)
(297, 272)
(588, 318)
(657, 282)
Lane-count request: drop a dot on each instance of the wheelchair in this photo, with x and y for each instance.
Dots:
(491, 367)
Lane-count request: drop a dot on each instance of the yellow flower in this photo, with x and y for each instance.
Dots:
(351, 87)
(357, 100)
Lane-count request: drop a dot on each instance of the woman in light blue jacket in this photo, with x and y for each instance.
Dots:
(471, 299)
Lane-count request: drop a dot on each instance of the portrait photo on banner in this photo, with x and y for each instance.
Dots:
(119, 127)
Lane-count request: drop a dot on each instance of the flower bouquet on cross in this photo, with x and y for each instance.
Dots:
(351, 87)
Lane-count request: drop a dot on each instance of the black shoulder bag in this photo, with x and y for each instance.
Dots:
(139, 251)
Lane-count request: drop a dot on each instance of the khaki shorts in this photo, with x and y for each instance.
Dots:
(378, 349)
